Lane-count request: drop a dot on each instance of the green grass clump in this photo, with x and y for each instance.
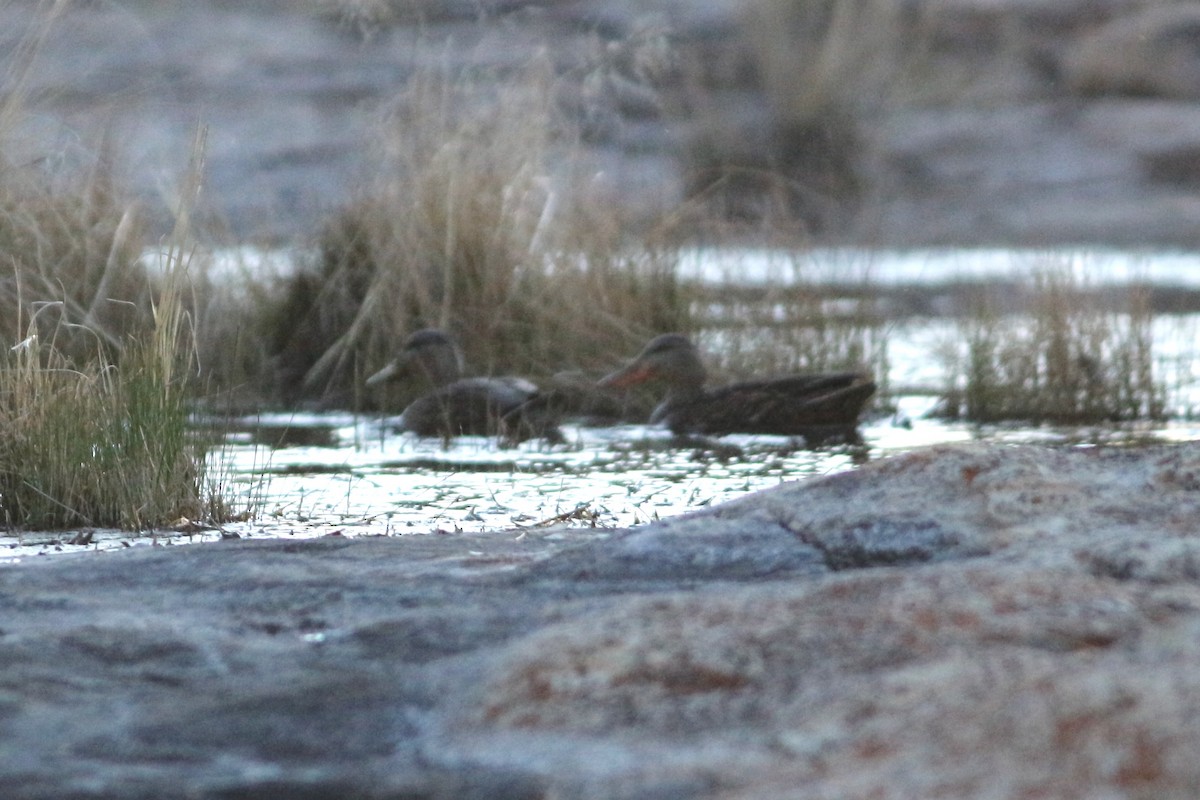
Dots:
(99, 445)
(89, 440)
(1067, 362)
(481, 220)
(94, 414)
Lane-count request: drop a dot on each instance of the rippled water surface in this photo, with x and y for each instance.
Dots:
(370, 480)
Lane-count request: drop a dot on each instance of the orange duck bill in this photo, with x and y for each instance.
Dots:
(625, 377)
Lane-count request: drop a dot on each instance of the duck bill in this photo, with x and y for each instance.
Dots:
(384, 375)
(631, 375)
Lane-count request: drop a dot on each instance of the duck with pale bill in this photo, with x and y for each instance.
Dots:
(509, 407)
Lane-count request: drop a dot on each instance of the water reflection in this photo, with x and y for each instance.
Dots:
(356, 477)
(379, 482)
(275, 433)
(624, 475)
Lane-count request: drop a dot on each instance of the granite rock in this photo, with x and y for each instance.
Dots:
(963, 621)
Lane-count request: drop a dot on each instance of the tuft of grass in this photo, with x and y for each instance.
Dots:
(822, 56)
(1067, 362)
(480, 219)
(832, 73)
(70, 238)
(94, 414)
(95, 445)
(74, 251)
(93, 441)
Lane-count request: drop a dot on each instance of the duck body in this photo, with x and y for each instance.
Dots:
(818, 407)
(814, 407)
(508, 407)
(466, 407)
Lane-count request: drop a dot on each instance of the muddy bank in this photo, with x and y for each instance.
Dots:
(940, 623)
(1022, 123)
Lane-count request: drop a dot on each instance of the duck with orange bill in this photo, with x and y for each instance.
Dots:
(817, 406)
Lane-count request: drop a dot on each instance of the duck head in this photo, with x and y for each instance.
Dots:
(428, 354)
(670, 359)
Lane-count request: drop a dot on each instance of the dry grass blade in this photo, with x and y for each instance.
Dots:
(1068, 361)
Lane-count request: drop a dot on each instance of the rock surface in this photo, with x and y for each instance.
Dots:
(1022, 122)
(967, 621)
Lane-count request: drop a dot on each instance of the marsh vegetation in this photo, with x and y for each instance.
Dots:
(98, 351)
(1068, 359)
(478, 217)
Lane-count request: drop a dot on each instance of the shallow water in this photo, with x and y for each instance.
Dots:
(368, 479)
(345, 475)
(340, 474)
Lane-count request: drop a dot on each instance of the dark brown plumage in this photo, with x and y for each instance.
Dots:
(508, 407)
(817, 406)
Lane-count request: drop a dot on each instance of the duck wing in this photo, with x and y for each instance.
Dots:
(814, 406)
(471, 407)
